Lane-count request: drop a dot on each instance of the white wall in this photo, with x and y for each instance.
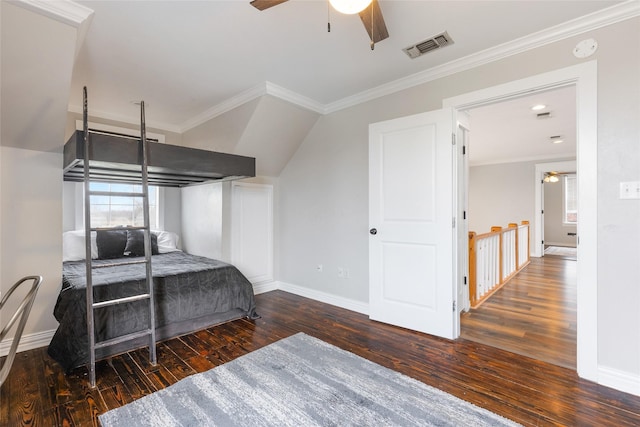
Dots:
(201, 212)
(31, 214)
(501, 194)
(323, 204)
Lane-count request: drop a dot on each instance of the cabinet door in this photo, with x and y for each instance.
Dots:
(252, 230)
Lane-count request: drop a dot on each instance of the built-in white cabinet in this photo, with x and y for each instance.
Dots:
(252, 230)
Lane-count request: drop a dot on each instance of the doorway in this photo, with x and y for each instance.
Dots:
(584, 78)
(534, 314)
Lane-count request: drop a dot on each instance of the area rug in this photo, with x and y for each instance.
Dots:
(300, 381)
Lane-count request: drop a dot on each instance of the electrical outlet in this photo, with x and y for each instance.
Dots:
(630, 190)
(343, 273)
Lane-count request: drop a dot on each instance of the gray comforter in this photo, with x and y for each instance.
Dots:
(191, 293)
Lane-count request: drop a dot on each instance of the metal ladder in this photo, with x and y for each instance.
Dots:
(148, 295)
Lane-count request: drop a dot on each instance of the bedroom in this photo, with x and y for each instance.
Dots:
(326, 213)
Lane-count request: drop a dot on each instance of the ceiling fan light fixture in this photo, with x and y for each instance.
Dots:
(350, 7)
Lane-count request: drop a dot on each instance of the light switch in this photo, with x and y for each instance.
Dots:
(630, 190)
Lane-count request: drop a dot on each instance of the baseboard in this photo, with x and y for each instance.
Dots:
(564, 245)
(623, 381)
(28, 342)
(347, 303)
(260, 288)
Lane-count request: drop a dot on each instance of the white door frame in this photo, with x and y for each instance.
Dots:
(584, 77)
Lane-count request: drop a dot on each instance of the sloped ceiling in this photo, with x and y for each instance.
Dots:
(37, 63)
(267, 128)
(221, 75)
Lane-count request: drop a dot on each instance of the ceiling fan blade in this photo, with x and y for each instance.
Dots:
(265, 4)
(374, 25)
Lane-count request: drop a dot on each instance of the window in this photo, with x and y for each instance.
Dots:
(112, 211)
(570, 193)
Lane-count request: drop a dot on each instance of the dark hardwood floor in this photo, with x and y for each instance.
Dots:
(534, 314)
(531, 392)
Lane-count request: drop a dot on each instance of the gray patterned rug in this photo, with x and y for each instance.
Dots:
(300, 381)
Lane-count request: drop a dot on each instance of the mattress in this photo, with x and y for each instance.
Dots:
(191, 293)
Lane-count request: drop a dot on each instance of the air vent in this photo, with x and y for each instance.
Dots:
(435, 42)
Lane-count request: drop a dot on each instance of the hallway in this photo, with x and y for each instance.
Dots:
(533, 315)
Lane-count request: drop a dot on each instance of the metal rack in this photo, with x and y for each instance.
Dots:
(148, 295)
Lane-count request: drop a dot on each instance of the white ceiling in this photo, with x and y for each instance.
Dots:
(511, 132)
(185, 57)
(193, 60)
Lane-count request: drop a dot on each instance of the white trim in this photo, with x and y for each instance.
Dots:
(261, 288)
(295, 98)
(225, 106)
(619, 380)
(560, 156)
(541, 169)
(560, 244)
(595, 20)
(342, 302)
(584, 77)
(266, 88)
(28, 342)
(65, 11)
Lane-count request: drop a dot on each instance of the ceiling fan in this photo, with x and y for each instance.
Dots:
(371, 17)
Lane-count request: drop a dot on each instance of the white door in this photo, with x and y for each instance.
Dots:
(411, 215)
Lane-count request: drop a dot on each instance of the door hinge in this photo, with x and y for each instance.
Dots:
(464, 214)
(464, 150)
(542, 212)
(453, 223)
(453, 139)
(465, 280)
(454, 306)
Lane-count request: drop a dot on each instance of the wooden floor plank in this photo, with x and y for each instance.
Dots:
(526, 390)
(534, 314)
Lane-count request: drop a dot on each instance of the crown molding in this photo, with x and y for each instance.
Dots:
(266, 88)
(65, 11)
(225, 106)
(295, 98)
(590, 22)
(593, 21)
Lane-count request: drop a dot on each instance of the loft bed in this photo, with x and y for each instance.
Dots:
(190, 292)
(116, 158)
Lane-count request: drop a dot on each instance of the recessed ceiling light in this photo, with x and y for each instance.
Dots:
(538, 107)
(556, 139)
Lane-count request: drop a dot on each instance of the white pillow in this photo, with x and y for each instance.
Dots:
(73, 246)
(167, 241)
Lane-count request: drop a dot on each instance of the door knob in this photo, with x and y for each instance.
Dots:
(373, 231)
